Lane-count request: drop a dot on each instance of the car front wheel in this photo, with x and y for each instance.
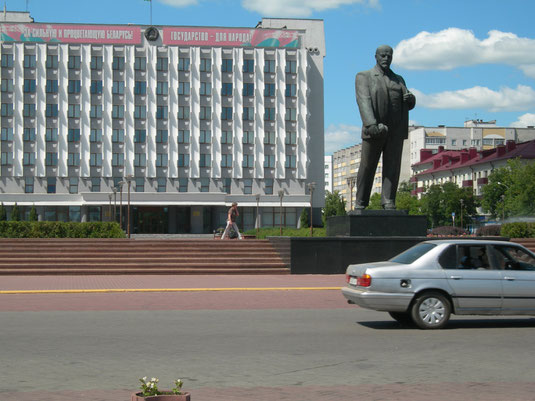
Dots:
(431, 310)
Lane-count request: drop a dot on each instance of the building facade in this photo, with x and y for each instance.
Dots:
(328, 173)
(186, 119)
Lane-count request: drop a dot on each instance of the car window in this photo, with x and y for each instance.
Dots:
(411, 254)
(465, 257)
(514, 258)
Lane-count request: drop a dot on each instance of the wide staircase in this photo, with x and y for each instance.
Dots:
(135, 256)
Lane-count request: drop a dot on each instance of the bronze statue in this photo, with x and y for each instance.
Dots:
(384, 103)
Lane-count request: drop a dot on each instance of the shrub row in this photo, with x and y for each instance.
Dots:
(447, 231)
(57, 229)
(518, 230)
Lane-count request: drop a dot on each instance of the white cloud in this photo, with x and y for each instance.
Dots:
(524, 120)
(180, 3)
(454, 47)
(299, 8)
(505, 99)
(341, 136)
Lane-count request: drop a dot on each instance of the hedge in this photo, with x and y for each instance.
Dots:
(447, 231)
(518, 230)
(57, 229)
(491, 230)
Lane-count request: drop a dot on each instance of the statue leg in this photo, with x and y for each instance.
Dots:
(393, 151)
(370, 154)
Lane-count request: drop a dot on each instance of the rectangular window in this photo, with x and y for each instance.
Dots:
(206, 88)
(51, 86)
(182, 185)
(183, 88)
(183, 64)
(291, 114)
(269, 138)
(269, 90)
(226, 113)
(291, 138)
(29, 86)
(117, 159)
(248, 65)
(117, 111)
(248, 114)
(206, 113)
(162, 184)
(95, 135)
(73, 111)
(269, 66)
(118, 88)
(162, 112)
(183, 112)
(140, 63)
(7, 85)
(51, 185)
(28, 185)
(291, 90)
(205, 160)
(52, 61)
(6, 134)
(269, 161)
(205, 185)
(140, 136)
(140, 88)
(206, 136)
(290, 161)
(117, 136)
(95, 184)
(226, 65)
(140, 184)
(96, 87)
(140, 160)
(226, 160)
(74, 62)
(95, 159)
(226, 137)
(226, 89)
(96, 63)
(73, 185)
(51, 135)
(118, 63)
(29, 61)
(162, 88)
(183, 160)
(161, 160)
(6, 110)
(73, 159)
(162, 64)
(247, 186)
(162, 136)
(29, 134)
(248, 137)
(73, 135)
(291, 67)
(51, 159)
(268, 189)
(206, 65)
(227, 185)
(74, 86)
(7, 60)
(6, 158)
(95, 111)
(28, 110)
(269, 114)
(248, 161)
(183, 136)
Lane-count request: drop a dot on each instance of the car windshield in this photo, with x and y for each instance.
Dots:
(412, 254)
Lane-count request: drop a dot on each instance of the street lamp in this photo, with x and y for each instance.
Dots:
(121, 183)
(114, 204)
(311, 187)
(281, 195)
(351, 181)
(503, 208)
(128, 179)
(462, 202)
(257, 196)
(109, 209)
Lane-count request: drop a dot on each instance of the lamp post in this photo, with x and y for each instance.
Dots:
(121, 183)
(114, 204)
(281, 195)
(351, 181)
(257, 196)
(462, 203)
(311, 187)
(128, 179)
(503, 208)
(109, 208)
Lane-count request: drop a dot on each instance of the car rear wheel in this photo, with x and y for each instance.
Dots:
(431, 310)
(402, 317)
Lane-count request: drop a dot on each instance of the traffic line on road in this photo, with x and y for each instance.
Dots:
(123, 290)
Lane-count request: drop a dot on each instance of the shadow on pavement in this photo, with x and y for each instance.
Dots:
(457, 324)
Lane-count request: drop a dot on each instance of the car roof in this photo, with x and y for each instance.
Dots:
(469, 241)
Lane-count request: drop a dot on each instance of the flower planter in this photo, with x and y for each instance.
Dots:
(161, 397)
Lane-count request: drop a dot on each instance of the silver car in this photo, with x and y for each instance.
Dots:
(431, 280)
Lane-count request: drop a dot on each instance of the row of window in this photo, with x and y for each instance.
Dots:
(139, 185)
(140, 160)
(140, 136)
(140, 63)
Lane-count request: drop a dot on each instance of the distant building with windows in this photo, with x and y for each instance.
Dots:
(329, 173)
(193, 118)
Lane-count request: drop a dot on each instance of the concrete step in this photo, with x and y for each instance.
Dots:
(109, 271)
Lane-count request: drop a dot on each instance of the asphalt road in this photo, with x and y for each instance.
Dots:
(243, 353)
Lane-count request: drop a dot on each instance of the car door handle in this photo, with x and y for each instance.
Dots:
(509, 278)
(456, 277)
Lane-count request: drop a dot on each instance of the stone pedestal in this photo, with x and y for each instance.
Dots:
(377, 223)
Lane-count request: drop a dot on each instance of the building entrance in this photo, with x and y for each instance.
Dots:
(151, 220)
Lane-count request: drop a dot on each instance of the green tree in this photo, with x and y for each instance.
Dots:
(405, 201)
(3, 212)
(33, 214)
(493, 194)
(15, 213)
(375, 202)
(303, 220)
(335, 205)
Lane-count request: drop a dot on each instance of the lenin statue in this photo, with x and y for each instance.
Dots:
(384, 103)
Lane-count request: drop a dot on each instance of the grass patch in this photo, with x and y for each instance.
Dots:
(286, 232)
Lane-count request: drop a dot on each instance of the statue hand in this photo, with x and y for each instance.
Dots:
(408, 97)
(382, 128)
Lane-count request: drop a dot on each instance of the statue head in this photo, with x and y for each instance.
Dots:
(383, 56)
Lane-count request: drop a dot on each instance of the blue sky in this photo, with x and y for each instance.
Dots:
(463, 59)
